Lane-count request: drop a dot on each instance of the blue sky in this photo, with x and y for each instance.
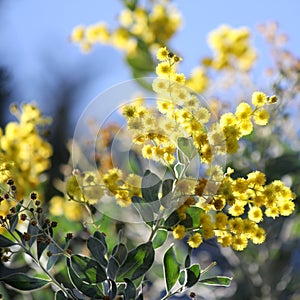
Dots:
(34, 37)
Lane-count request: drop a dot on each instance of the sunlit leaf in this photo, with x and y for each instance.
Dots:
(138, 262)
(217, 281)
(159, 238)
(171, 268)
(5, 242)
(90, 290)
(193, 274)
(87, 269)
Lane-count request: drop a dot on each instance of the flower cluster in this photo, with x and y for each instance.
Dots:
(223, 200)
(24, 154)
(137, 24)
(174, 132)
(232, 49)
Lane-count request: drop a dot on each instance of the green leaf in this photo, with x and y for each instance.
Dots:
(182, 276)
(150, 188)
(171, 268)
(130, 4)
(138, 262)
(130, 290)
(172, 220)
(24, 282)
(194, 212)
(167, 187)
(144, 208)
(13, 222)
(59, 295)
(87, 269)
(142, 60)
(186, 146)
(187, 261)
(193, 274)
(98, 250)
(188, 221)
(90, 290)
(159, 238)
(217, 281)
(5, 242)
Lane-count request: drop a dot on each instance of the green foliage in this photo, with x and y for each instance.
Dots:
(171, 268)
(24, 282)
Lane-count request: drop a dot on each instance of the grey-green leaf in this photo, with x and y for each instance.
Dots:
(151, 184)
(167, 187)
(186, 146)
(54, 257)
(171, 268)
(130, 290)
(98, 250)
(13, 222)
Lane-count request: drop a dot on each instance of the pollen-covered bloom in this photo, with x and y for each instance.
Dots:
(195, 240)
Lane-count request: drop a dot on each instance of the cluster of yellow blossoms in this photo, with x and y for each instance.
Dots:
(174, 132)
(232, 49)
(234, 212)
(179, 114)
(136, 24)
(90, 187)
(24, 154)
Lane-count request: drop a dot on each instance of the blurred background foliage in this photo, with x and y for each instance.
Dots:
(271, 271)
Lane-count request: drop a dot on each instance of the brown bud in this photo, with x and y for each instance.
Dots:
(39, 210)
(53, 224)
(26, 236)
(69, 236)
(10, 181)
(33, 196)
